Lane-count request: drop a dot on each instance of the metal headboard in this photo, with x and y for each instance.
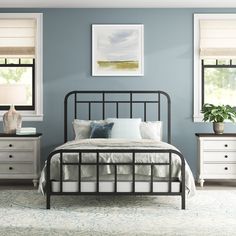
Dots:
(130, 101)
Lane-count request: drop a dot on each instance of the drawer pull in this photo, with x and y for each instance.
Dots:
(10, 145)
(226, 145)
(10, 168)
(10, 156)
(226, 168)
(226, 156)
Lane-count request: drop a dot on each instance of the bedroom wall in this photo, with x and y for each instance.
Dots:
(168, 66)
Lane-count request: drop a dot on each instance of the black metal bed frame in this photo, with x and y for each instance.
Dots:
(104, 100)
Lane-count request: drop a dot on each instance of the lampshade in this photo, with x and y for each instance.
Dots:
(12, 94)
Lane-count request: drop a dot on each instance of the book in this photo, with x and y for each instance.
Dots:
(26, 131)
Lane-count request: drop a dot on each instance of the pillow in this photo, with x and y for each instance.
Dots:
(101, 130)
(125, 128)
(82, 128)
(151, 130)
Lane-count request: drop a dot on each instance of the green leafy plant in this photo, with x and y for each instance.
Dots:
(221, 113)
(12, 74)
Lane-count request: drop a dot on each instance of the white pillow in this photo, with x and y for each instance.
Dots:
(125, 128)
(151, 130)
(82, 128)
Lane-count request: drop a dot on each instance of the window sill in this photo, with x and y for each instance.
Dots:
(26, 116)
(32, 118)
(197, 118)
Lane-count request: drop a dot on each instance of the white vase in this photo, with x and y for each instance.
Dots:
(11, 121)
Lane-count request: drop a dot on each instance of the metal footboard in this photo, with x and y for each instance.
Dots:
(98, 163)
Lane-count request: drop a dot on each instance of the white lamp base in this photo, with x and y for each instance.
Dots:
(11, 121)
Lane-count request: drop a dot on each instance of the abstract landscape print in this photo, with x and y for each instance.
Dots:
(117, 50)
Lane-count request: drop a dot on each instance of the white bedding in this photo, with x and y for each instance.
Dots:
(161, 172)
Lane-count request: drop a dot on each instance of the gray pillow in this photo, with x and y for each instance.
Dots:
(101, 130)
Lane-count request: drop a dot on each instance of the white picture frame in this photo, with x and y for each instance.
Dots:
(117, 50)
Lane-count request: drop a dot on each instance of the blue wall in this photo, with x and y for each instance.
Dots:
(168, 37)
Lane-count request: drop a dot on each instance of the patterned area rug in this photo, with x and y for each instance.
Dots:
(210, 212)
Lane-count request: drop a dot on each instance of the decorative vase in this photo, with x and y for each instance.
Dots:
(11, 121)
(218, 127)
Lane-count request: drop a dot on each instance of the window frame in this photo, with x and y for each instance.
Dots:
(197, 61)
(37, 113)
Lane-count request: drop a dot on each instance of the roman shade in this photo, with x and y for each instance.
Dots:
(218, 38)
(17, 37)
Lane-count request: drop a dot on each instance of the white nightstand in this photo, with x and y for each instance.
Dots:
(216, 156)
(20, 157)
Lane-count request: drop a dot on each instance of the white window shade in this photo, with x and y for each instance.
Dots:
(218, 38)
(17, 37)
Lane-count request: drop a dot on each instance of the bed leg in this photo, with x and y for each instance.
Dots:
(183, 201)
(48, 201)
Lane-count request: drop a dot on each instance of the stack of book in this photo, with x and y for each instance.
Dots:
(26, 131)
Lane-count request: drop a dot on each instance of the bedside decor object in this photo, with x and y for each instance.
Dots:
(217, 115)
(26, 131)
(20, 157)
(216, 157)
(12, 94)
(117, 50)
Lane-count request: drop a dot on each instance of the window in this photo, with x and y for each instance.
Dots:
(219, 82)
(18, 73)
(21, 62)
(214, 61)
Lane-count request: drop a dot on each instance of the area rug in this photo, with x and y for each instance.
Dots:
(210, 212)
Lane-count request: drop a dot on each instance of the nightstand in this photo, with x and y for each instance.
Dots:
(20, 156)
(216, 156)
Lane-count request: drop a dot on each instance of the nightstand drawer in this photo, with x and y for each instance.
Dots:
(14, 144)
(219, 157)
(16, 156)
(219, 169)
(219, 145)
(12, 168)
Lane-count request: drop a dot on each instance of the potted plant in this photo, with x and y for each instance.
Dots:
(217, 115)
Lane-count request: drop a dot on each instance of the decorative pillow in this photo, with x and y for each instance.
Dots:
(82, 128)
(151, 130)
(101, 130)
(125, 128)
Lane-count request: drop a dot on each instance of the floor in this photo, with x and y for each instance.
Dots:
(16, 184)
(211, 212)
(216, 185)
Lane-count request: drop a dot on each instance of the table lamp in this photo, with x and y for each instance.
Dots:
(12, 94)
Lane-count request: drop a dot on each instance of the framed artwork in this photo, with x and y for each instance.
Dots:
(117, 50)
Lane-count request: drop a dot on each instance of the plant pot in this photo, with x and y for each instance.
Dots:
(218, 127)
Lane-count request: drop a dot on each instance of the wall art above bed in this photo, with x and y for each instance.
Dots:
(117, 50)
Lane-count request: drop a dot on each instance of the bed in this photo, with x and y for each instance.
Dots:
(126, 165)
